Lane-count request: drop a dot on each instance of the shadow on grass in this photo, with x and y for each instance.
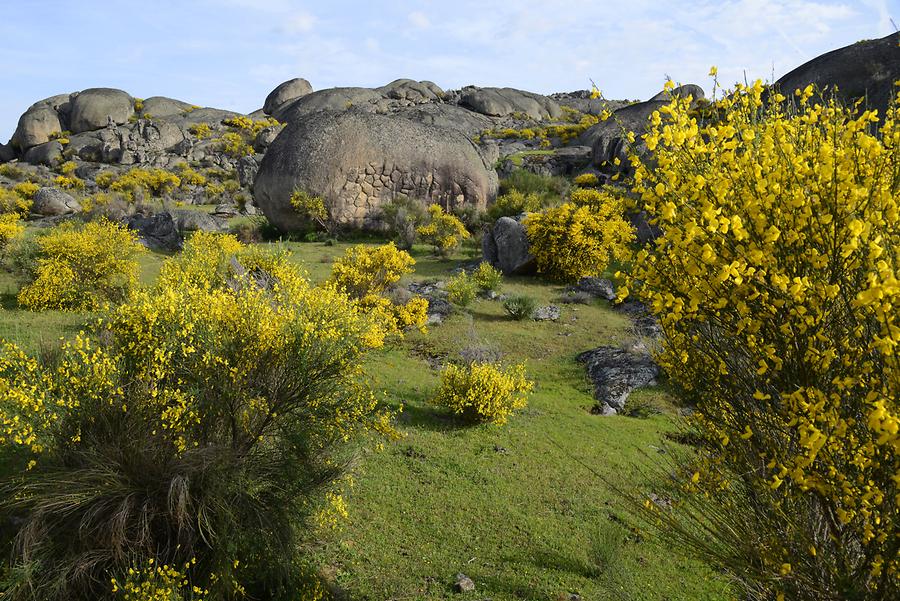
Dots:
(431, 418)
(8, 301)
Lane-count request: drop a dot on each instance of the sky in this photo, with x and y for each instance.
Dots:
(230, 53)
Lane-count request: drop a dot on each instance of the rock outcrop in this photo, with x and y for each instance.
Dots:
(505, 246)
(616, 372)
(51, 202)
(358, 161)
(96, 107)
(866, 69)
(501, 102)
(285, 93)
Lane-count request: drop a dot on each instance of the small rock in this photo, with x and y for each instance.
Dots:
(548, 313)
(463, 584)
(615, 372)
(226, 210)
(157, 232)
(52, 202)
(596, 287)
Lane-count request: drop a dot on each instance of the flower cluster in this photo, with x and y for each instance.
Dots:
(776, 283)
(80, 267)
(139, 180)
(483, 392)
(443, 231)
(579, 238)
(366, 274)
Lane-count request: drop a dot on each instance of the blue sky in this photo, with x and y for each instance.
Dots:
(231, 53)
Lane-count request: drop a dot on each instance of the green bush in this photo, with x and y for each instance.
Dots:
(402, 216)
(549, 189)
(520, 306)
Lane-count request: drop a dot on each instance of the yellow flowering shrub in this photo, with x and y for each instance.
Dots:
(483, 392)
(26, 190)
(158, 583)
(10, 228)
(235, 145)
(69, 182)
(461, 289)
(80, 267)
(486, 277)
(249, 125)
(443, 231)
(579, 238)
(224, 396)
(201, 130)
(366, 274)
(314, 209)
(139, 180)
(13, 202)
(188, 176)
(776, 284)
(514, 203)
(587, 180)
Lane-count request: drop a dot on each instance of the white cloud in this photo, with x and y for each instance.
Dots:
(301, 22)
(419, 20)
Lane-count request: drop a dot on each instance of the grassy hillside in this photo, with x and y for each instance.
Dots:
(515, 508)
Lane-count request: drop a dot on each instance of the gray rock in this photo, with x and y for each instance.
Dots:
(548, 313)
(87, 146)
(285, 93)
(502, 102)
(265, 137)
(94, 108)
(866, 69)
(449, 116)
(615, 373)
(692, 90)
(49, 154)
(332, 99)
(463, 584)
(247, 168)
(160, 106)
(359, 161)
(226, 210)
(644, 231)
(596, 287)
(505, 246)
(416, 92)
(607, 138)
(6, 153)
(643, 322)
(157, 232)
(35, 127)
(145, 140)
(51, 202)
(188, 221)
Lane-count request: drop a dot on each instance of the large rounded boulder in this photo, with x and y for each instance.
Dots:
(35, 127)
(285, 93)
(359, 161)
(41, 120)
(866, 69)
(95, 107)
(502, 102)
(331, 99)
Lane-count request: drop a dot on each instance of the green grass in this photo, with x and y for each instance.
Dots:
(513, 507)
